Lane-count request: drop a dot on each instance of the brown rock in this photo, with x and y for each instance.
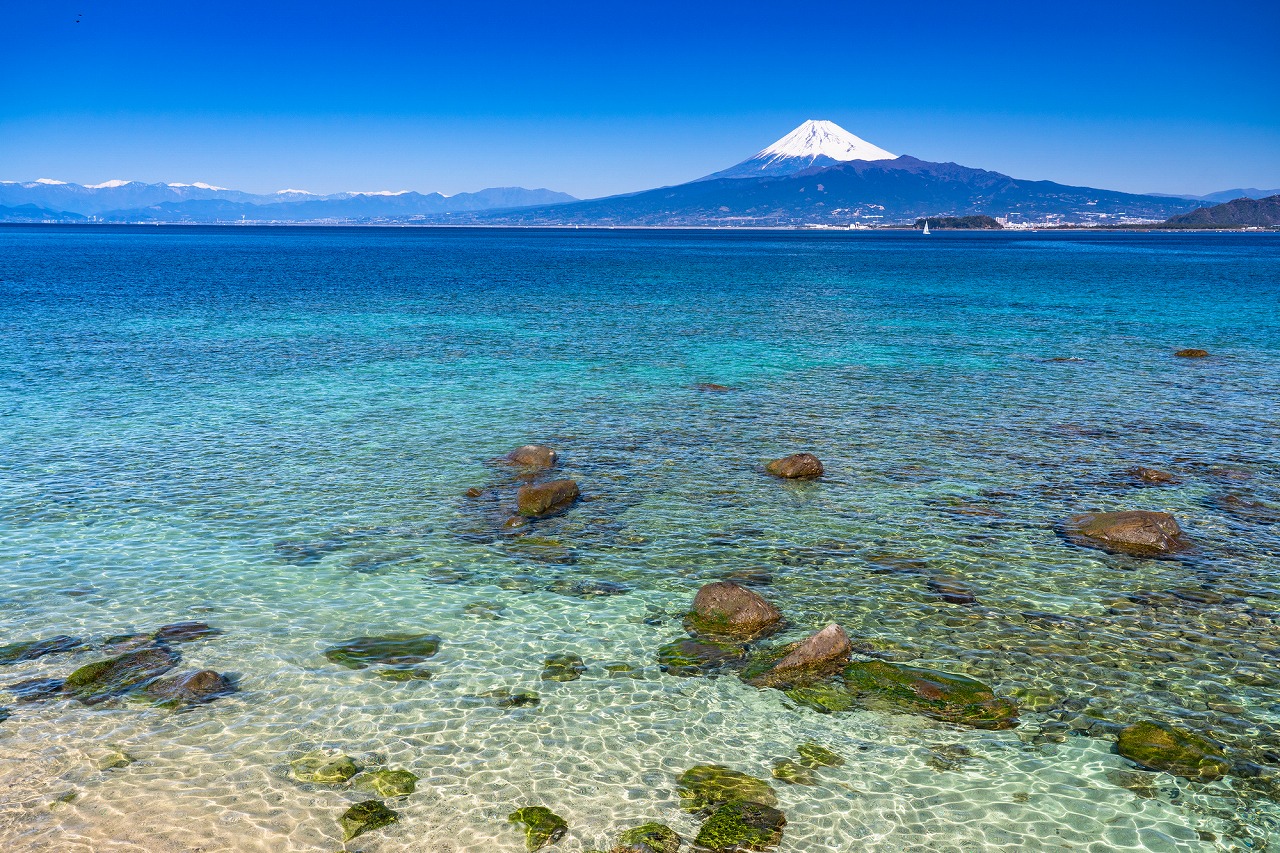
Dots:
(191, 689)
(533, 456)
(821, 654)
(545, 498)
(1136, 532)
(797, 466)
(711, 386)
(1192, 353)
(951, 590)
(724, 609)
(1152, 475)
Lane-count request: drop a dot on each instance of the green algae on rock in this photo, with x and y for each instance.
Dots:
(1138, 533)
(815, 755)
(415, 673)
(386, 783)
(12, 653)
(193, 688)
(184, 632)
(805, 662)
(690, 657)
(563, 667)
(365, 817)
(323, 768)
(726, 611)
(706, 786)
(505, 697)
(541, 826)
(393, 650)
(823, 698)
(793, 772)
(741, 825)
(1176, 751)
(101, 680)
(543, 499)
(648, 838)
(941, 695)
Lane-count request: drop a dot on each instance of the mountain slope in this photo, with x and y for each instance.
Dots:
(814, 143)
(1243, 212)
(876, 191)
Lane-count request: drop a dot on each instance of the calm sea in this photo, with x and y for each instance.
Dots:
(273, 431)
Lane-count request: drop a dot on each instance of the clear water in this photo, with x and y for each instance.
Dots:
(272, 431)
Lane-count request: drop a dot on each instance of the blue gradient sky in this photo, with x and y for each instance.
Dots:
(596, 98)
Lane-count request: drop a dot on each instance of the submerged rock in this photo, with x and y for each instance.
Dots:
(21, 652)
(648, 838)
(386, 783)
(706, 786)
(194, 688)
(533, 456)
(815, 755)
(1175, 751)
(941, 695)
(541, 826)
(727, 610)
(396, 650)
(1192, 353)
(689, 658)
(413, 673)
(1138, 533)
(35, 689)
(824, 698)
(541, 499)
(798, 466)
(563, 667)
(741, 825)
(589, 588)
(323, 768)
(101, 680)
(711, 386)
(951, 590)
(365, 817)
(185, 632)
(819, 655)
(1152, 476)
(793, 773)
(505, 697)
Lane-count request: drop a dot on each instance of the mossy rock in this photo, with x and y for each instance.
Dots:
(563, 667)
(941, 695)
(623, 670)
(386, 783)
(814, 755)
(823, 698)
(101, 680)
(194, 688)
(706, 786)
(365, 817)
(113, 758)
(391, 650)
(11, 653)
(1176, 751)
(505, 697)
(185, 632)
(793, 772)
(324, 768)
(648, 838)
(413, 673)
(740, 825)
(689, 657)
(541, 826)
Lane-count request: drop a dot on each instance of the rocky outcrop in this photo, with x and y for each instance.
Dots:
(726, 610)
(1192, 353)
(819, 655)
(705, 787)
(1139, 533)
(541, 826)
(542, 499)
(741, 825)
(532, 456)
(1174, 751)
(798, 466)
(101, 680)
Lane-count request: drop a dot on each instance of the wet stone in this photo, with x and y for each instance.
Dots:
(943, 696)
(648, 838)
(533, 456)
(396, 650)
(386, 783)
(689, 658)
(101, 680)
(1152, 476)
(1175, 751)
(793, 772)
(819, 655)
(724, 610)
(505, 697)
(35, 689)
(541, 826)
(741, 825)
(12, 653)
(815, 755)
(185, 632)
(563, 667)
(323, 768)
(539, 500)
(413, 673)
(824, 698)
(190, 689)
(365, 817)
(1192, 353)
(798, 466)
(1138, 533)
(706, 786)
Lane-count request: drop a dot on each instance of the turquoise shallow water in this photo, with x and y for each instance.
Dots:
(273, 430)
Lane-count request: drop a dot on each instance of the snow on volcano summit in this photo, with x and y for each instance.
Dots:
(814, 143)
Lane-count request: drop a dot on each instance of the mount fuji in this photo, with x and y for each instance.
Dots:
(814, 143)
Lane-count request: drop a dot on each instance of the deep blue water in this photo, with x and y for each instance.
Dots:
(272, 430)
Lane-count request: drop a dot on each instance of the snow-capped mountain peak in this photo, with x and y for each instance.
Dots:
(815, 139)
(293, 192)
(814, 143)
(105, 185)
(50, 182)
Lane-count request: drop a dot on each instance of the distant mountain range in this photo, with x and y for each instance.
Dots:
(1239, 213)
(817, 175)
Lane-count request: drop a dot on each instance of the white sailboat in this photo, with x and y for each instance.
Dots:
(926, 226)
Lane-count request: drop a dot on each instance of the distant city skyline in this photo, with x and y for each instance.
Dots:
(594, 100)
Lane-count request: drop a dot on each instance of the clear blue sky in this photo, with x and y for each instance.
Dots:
(595, 98)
